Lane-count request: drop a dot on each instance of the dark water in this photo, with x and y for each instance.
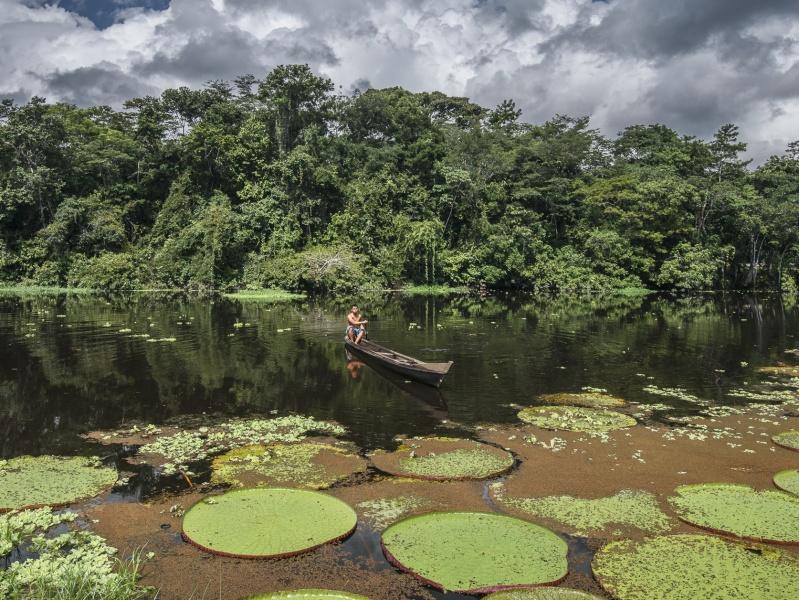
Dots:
(66, 368)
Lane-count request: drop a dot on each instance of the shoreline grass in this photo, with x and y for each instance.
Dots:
(432, 290)
(265, 295)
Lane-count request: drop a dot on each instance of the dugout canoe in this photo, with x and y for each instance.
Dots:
(407, 366)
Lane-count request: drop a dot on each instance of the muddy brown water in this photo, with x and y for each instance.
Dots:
(72, 364)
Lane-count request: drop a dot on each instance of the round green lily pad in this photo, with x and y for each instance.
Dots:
(787, 439)
(307, 464)
(585, 399)
(575, 418)
(267, 522)
(542, 593)
(475, 552)
(788, 480)
(739, 510)
(695, 566)
(309, 595)
(35, 481)
(444, 459)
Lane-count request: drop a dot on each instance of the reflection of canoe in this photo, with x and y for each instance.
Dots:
(429, 373)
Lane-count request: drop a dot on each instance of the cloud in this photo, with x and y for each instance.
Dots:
(691, 65)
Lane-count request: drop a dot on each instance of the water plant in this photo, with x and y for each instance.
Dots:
(589, 399)
(438, 458)
(34, 481)
(267, 522)
(583, 516)
(382, 512)
(739, 510)
(787, 439)
(305, 464)
(676, 393)
(575, 418)
(475, 552)
(17, 526)
(780, 370)
(542, 593)
(788, 480)
(695, 566)
(309, 595)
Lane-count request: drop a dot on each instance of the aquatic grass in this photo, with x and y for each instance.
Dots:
(382, 512)
(433, 290)
(788, 480)
(695, 566)
(34, 481)
(267, 522)
(739, 510)
(676, 393)
(593, 516)
(475, 552)
(787, 439)
(586, 399)
(575, 418)
(265, 295)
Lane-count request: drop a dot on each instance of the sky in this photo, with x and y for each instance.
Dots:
(690, 64)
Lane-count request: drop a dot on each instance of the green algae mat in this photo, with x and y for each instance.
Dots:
(676, 567)
(542, 593)
(305, 464)
(475, 552)
(575, 418)
(34, 481)
(309, 595)
(584, 399)
(444, 459)
(788, 480)
(626, 509)
(739, 510)
(787, 439)
(267, 522)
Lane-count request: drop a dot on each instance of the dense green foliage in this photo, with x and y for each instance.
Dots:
(281, 182)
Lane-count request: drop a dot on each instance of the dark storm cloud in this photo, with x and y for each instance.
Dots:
(101, 84)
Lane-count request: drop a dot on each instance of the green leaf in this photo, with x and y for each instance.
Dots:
(788, 480)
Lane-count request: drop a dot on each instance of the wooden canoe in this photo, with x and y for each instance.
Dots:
(407, 366)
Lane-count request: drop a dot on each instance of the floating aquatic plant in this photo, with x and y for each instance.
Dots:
(575, 418)
(475, 552)
(32, 481)
(309, 595)
(676, 393)
(444, 458)
(589, 399)
(15, 527)
(267, 522)
(781, 370)
(583, 516)
(784, 396)
(306, 464)
(761, 515)
(382, 512)
(542, 593)
(788, 480)
(787, 439)
(695, 566)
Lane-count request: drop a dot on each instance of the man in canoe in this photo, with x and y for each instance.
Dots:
(355, 325)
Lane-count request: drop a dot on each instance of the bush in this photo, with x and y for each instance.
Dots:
(691, 267)
(109, 271)
(566, 269)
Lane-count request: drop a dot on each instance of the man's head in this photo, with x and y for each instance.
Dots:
(354, 309)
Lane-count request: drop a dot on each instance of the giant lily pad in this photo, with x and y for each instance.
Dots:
(588, 517)
(267, 522)
(695, 566)
(781, 370)
(443, 459)
(788, 480)
(475, 552)
(542, 593)
(585, 399)
(575, 418)
(787, 439)
(739, 510)
(309, 595)
(311, 465)
(34, 481)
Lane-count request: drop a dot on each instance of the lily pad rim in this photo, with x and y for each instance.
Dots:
(319, 591)
(728, 535)
(213, 551)
(778, 473)
(781, 445)
(484, 590)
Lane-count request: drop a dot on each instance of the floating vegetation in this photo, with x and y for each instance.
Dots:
(475, 552)
(265, 295)
(784, 396)
(575, 418)
(788, 480)
(15, 527)
(676, 393)
(780, 371)
(34, 481)
(174, 452)
(760, 515)
(382, 512)
(589, 398)
(695, 566)
(309, 595)
(305, 464)
(590, 517)
(787, 439)
(444, 459)
(542, 593)
(267, 522)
